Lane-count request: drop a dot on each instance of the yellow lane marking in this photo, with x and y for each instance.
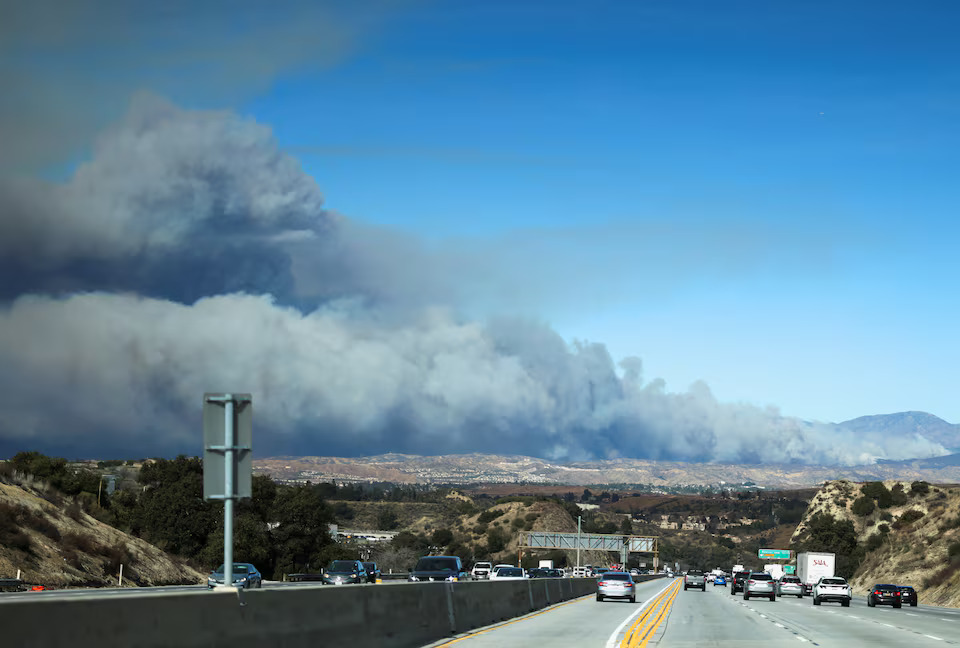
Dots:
(628, 635)
(645, 627)
(664, 611)
(641, 621)
(517, 620)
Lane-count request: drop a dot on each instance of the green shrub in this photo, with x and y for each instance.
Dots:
(954, 550)
(897, 495)
(489, 516)
(885, 516)
(863, 506)
(911, 516)
(874, 542)
(919, 488)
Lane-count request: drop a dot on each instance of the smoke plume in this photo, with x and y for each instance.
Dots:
(190, 254)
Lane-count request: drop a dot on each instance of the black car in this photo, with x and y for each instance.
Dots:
(438, 568)
(881, 594)
(343, 572)
(908, 595)
(736, 583)
(373, 572)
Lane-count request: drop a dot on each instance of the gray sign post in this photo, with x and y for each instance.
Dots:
(227, 460)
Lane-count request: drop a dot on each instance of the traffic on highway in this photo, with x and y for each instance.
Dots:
(667, 615)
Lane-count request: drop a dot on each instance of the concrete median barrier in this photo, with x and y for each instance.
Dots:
(402, 615)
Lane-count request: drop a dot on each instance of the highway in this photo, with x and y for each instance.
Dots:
(667, 616)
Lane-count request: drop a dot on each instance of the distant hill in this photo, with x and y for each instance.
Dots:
(907, 424)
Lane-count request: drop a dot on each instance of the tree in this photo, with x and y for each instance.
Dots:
(303, 530)
(919, 488)
(836, 536)
(387, 519)
(496, 540)
(171, 512)
(626, 526)
(897, 495)
(863, 506)
(442, 537)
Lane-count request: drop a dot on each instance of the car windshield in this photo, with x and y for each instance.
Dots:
(833, 581)
(440, 564)
(237, 569)
(343, 566)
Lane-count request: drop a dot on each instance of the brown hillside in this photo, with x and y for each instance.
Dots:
(61, 546)
(910, 543)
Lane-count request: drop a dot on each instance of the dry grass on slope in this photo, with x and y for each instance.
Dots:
(63, 546)
(907, 544)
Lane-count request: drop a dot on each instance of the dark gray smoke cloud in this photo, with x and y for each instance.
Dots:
(189, 254)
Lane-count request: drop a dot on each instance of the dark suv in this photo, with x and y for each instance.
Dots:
(736, 583)
(884, 595)
(438, 568)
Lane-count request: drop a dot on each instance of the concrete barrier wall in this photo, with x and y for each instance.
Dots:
(397, 615)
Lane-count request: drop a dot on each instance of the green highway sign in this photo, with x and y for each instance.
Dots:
(789, 569)
(774, 554)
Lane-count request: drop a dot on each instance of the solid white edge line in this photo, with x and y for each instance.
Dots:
(932, 637)
(612, 641)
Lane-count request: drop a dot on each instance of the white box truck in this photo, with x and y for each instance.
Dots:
(774, 570)
(546, 564)
(812, 566)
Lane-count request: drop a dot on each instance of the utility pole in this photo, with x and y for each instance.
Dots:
(578, 539)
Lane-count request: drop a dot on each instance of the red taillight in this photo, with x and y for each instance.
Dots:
(629, 585)
(603, 583)
(876, 593)
(898, 593)
(750, 582)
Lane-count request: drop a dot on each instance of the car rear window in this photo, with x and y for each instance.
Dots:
(512, 571)
(694, 572)
(616, 576)
(757, 577)
(437, 564)
(789, 579)
(833, 581)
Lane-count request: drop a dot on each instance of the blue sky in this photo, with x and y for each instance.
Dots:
(763, 192)
(757, 195)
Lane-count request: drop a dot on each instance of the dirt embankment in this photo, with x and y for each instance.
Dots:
(54, 543)
(915, 541)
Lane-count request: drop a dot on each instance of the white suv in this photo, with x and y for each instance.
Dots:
(833, 588)
(481, 570)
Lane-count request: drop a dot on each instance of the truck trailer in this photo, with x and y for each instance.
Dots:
(812, 566)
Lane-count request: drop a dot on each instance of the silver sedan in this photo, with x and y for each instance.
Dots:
(616, 585)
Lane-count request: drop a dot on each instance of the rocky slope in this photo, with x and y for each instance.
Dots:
(54, 543)
(909, 543)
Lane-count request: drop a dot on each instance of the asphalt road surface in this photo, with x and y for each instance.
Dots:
(667, 616)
